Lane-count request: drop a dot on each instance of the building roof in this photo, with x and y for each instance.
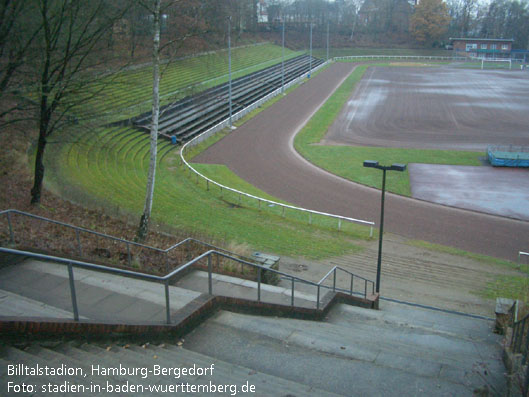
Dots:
(479, 39)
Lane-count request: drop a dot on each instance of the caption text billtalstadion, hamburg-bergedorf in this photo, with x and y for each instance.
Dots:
(100, 379)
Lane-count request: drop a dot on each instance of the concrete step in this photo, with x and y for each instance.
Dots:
(229, 373)
(15, 305)
(246, 289)
(396, 315)
(325, 355)
(100, 296)
(40, 381)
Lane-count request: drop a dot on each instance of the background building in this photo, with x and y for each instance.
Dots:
(482, 48)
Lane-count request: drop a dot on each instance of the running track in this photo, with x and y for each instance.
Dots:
(261, 153)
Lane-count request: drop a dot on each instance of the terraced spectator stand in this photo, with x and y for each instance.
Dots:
(271, 262)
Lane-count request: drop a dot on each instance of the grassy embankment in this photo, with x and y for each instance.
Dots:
(129, 93)
(107, 168)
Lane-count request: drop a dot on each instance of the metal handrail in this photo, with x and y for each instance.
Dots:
(81, 229)
(351, 289)
(429, 57)
(107, 236)
(518, 345)
(168, 277)
(518, 331)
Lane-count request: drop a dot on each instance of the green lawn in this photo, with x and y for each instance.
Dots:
(110, 166)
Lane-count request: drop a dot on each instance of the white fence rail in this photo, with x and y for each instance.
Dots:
(401, 57)
(238, 116)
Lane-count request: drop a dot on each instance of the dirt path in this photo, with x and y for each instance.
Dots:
(261, 152)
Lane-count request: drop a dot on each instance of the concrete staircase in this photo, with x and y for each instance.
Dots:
(395, 351)
(398, 350)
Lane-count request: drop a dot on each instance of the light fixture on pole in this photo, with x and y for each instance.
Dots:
(393, 167)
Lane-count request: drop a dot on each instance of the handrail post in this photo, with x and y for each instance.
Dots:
(526, 346)
(318, 298)
(292, 297)
(79, 247)
(167, 304)
(365, 289)
(352, 279)
(210, 276)
(520, 338)
(259, 284)
(167, 267)
(129, 260)
(334, 281)
(513, 338)
(72, 292)
(11, 234)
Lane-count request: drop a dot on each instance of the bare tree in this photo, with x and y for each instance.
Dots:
(185, 14)
(17, 34)
(146, 216)
(65, 53)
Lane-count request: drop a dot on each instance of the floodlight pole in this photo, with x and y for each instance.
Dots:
(283, 59)
(327, 41)
(394, 167)
(310, 54)
(229, 70)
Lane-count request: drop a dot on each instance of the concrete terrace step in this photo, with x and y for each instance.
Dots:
(246, 289)
(100, 296)
(135, 358)
(396, 315)
(15, 305)
(352, 359)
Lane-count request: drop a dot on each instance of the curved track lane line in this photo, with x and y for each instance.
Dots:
(261, 152)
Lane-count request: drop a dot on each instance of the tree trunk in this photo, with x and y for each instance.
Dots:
(39, 169)
(143, 229)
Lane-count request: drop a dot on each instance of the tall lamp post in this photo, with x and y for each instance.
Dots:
(229, 72)
(393, 167)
